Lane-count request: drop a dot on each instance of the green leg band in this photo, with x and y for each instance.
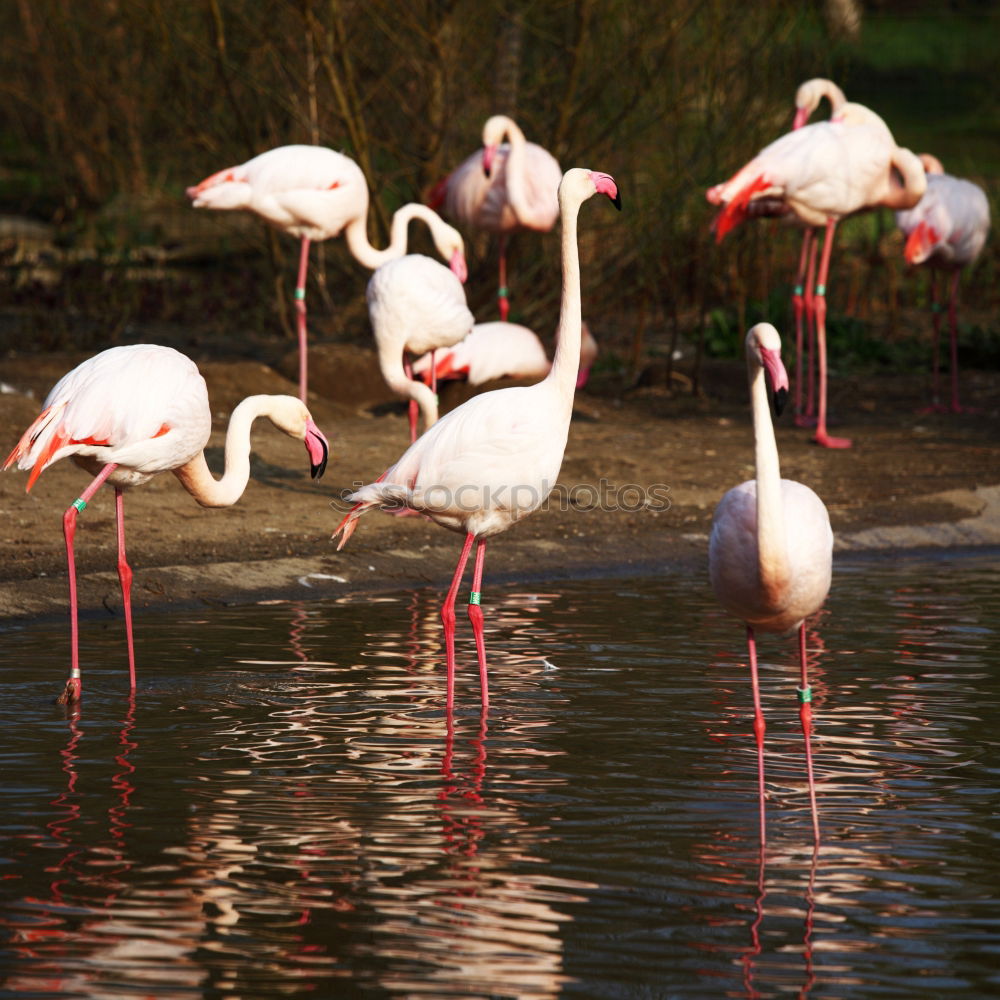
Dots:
(474, 596)
(79, 504)
(805, 695)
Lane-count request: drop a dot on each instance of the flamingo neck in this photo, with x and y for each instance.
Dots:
(197, 478)
(772, 554)
(390, 362)
(905, 195)
(566, 361)
(514, 171)
(356, 234)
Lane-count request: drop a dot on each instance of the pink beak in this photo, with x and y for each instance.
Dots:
(458, 266)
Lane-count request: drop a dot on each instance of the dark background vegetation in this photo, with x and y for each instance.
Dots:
(110, 108)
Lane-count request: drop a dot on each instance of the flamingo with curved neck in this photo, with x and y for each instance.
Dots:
(493, 460)
(771, 549)
(315, 193)
(132, 412)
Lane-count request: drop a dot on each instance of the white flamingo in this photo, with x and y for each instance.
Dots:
(129, 413)
(494, 459)
(771, 548)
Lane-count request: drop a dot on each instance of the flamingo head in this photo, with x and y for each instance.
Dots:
(764, 346)
(920, 243)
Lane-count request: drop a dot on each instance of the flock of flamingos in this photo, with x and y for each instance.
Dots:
(131, 412)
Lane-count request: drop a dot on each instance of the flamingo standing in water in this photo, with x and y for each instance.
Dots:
(500, 350)
(504, 187)
(494, 459)
(771, 549)
(415, 305)
(314, 193)
(130, 412)
(821, 173)
(946, 230)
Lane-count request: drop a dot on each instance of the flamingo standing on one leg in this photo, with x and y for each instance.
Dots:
(821, 173)
(494, 459)
(504, 187)
(131, 412)
(946, 230)
(500, 350)
(415, 305)
(314, 193)
(771, 549)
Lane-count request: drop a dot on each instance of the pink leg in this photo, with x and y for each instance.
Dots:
(805, 715)
(448, 619)
(413, 409)
(935, 406)
(758, 730)
(798, 307)
(809, 419)
(822, 438)
(953, 324)
(300, 317)
(73, 688)
(503, 300)
(125, 579)
(476, 617)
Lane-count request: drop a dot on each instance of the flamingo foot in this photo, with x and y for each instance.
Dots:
(825, 441)
(71, 693)
(932, 408)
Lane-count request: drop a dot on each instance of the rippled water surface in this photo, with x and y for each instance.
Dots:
(282, 811)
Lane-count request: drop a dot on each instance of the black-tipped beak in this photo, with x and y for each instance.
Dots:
(780, 398)
(317, 469)
(617, 200)
(318, 448)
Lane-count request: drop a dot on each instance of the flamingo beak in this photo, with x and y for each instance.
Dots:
(318, 448)
(489, 152)
(458, 266)
(775, 369)
(605, 184)
(801, 117)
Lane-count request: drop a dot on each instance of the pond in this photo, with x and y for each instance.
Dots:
(282, 809)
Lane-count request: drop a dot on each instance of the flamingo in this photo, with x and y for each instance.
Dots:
(314, 193)
(504, 187)
(810, 95)
(501, 350)
(821, 173)
(129, 413)
(946, 230)
(415, 305)
(494, 459)
(771, 548)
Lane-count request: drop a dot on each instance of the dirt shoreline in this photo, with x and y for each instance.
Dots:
(912, 482)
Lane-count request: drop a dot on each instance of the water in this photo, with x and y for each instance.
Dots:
(281, 811)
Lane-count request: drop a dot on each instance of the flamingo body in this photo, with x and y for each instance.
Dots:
(415, 305)
(493, 460)
(131, 412)
(949, 225)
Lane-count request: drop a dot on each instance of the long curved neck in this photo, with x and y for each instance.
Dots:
(914, 181)
(772, 555)
(356, 234)
(390, 363)
(197, 478)
(566, 362)
(515, 172)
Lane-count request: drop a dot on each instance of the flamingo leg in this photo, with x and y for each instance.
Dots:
(72, 691)
(300, 317)
(953, 325)
(476, 617)
(798, 309)
(448, 620)
(805, 716)
(935, 346)
(503, 299)
(758, 730)
(809, 418)
(125, 579)
(413, 409)
(822, 438)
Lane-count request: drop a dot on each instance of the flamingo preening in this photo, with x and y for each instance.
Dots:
(494, 459)
(129, 413)
(771, 548)
(315, 193)
(504, 187)
(946, 230)
(822, 173)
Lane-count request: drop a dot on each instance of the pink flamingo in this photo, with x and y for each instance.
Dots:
(494, 459)
(501, 350)
(821, 173)
(504, 187)
(771, 549)
(129, 413)
(314, 193)
(415, 305)
(946, 230)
